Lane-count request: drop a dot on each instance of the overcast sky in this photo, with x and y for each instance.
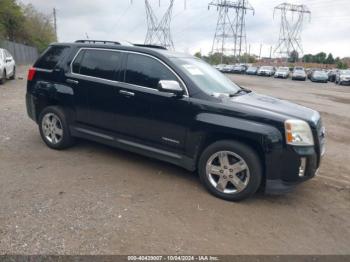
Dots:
(193, 28)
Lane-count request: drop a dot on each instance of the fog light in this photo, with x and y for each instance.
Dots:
(302, 167)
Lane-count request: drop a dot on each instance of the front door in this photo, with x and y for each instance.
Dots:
(146, 114)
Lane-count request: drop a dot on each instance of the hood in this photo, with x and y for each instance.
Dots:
(282, 72)
(273, 108)
(299, 73)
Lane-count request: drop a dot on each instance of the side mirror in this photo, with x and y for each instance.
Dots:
(170, 86)
(9, 59)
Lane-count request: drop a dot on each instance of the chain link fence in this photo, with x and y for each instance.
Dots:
(23, 54)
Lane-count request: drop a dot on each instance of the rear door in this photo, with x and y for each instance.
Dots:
(95, 73)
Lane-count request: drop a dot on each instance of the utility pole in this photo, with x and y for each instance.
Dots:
(270, 52)
(292, 21)
(260, 51)
(55, 23)
(230, 36)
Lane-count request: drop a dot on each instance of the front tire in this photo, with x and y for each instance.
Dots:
(54, 128)
(3, 78)
(13, 74)
(230, 170)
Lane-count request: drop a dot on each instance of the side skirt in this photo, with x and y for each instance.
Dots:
(127, 144)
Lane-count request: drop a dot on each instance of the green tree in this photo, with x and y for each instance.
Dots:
(330, 59)
(11, 20)
(198, 54)
(308, 58)
(341, 65)
(24, 24)
(293, 57)
(38, 27)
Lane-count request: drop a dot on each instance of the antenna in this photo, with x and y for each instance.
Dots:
(230, 36)
(292, 21)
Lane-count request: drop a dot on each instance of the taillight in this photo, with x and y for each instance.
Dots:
(31, 73)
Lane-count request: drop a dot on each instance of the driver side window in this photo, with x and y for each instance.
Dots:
(145, 71)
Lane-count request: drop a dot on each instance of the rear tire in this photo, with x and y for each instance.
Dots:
(54, 128)
(230, 170)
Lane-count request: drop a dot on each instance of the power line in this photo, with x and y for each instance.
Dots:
(292, 20)
(230, 36)
(159, 31)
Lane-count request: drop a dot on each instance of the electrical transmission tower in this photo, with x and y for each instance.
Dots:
(230, 36)
(158, 32)
(292, 21)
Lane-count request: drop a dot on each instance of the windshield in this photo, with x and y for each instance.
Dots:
(206, 77)
(252, 68)
(320, 73)
(345, 72)
(283, 69)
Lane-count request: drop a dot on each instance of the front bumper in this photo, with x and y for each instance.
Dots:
(298, 77)
(291, 174)
(346, 82)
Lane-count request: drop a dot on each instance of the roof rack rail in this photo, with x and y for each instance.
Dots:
(151, 46)
(88, 41)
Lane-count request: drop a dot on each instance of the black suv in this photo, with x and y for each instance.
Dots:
(176, 108)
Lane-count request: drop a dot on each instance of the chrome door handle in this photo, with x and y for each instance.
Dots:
(126, 93)
(71, 81)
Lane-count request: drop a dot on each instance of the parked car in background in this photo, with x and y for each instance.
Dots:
(239, 69)
(319, 76)
(220, 67)
(309, 72)
(282, 72)
(266, 71)
(343, 77)
(176, 108)
(228, 69)
(252, 70)
(7, 66)
(299, 74)
(332, 74)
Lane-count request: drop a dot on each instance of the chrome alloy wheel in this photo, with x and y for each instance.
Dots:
(52, 128)
(227, 172)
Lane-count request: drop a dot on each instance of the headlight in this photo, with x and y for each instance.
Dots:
(298, 133)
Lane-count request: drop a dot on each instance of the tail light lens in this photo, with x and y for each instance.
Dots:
(31, 73)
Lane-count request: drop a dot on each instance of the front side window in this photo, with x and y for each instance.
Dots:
(98, 63)
(146, 71)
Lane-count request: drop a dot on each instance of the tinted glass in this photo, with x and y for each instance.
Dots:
(146, 71)
(51, 57)
(77, 61)
(100, 63)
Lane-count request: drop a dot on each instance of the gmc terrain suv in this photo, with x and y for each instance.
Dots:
(176, 108)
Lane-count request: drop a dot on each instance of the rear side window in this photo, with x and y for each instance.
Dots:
(146, 71)
(98, 63)
(51, 57)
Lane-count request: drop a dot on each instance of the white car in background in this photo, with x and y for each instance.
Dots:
(282, 72)
(7, 66)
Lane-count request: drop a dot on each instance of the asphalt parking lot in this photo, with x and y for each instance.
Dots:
(92, 199)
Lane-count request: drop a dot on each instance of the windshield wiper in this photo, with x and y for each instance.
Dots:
(240, 91)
